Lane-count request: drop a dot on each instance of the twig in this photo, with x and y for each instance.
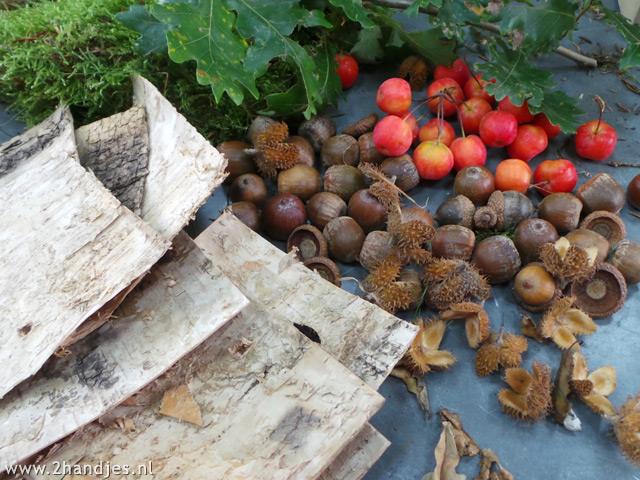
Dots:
(490, 27)
(637, 215)
(623, 164)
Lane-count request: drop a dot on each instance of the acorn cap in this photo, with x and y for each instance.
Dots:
(603, 294)
(326, 268)
(361, 126)
(309, 241)
(607, 224)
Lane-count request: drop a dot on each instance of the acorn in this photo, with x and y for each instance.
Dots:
(403, 170)
(258, 125)
(323, 207)
(602, 192)
(453, 241)
(368, 151)
(344, 181)
(317, 130)
(282, 214)
(306, 155)
(607, 224)
(633, 192)
(367, 210)
(517, 208)
(326, 268)
(345, 238)
(247, 213)
(497, 258)
(625, 256)
(530, 235)
(476, 183)
(492, 214)
(417, 213)
(248, 187)
(562, 210)
(377, 245)
(456, 211)
(340, 150)
(308, 241)
(238, 161)
(535, 288)
(588, 238)
(302, 181)
(603, 294)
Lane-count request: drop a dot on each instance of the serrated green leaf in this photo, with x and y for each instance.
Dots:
(354, 11)
(542, 25)
(153, 32)
(427, 43)
(268, 23)
(516, 77)
(560, 109)
(414, 9)
(368, 48)
(205, 33)
(453, 16)
(631, 33)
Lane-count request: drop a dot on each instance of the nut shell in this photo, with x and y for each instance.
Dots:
(404, 171)
(562, 210)
(282, 214)
(326, 268)
(345, 238)
(238, 162)
(497, 258)
(247, 213)
(607, 224)
(367, 210)
(361, 126)
(248, 187)
(376, 246)
(317, 130)
(603, 294)
(302, 181)
(584, 238)
(633, 192)
(456, 211)
(602, 192)
(309, 241)
(323, 207)
(306, 155)
(344, 181)
(340, 150)
(453, 241)
(517, 208)
(476, 183)
(625, 256)
(530, 235)
(535, 288)
(368, 151)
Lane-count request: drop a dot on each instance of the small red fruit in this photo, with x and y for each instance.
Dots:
(392, 136)
(475, 88)
(448, 107)
(522, 113)
(347, 69)
(432, 160)
(413, 123)
(541, 120)
(394, 96)
(458, 71)
(596, 140)
(529, 142)
(498, 128)
(513, 174)
(429, 132)
(469, 150)
(553, 176)
(472, 111)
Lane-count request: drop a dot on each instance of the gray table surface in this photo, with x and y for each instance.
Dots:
(538, 451)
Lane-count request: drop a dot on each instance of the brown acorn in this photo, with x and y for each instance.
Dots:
(497, 258)
(625, 256)
(530, 235)
(453, 241)
(602, 192)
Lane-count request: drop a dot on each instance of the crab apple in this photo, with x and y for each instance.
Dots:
(469, 150)
(553, 176)
(498, 128)
(458, 71)
(392, 136)
(471, 112)
(448, 107)
(413, 123)
(541, 120)
(432, 160)
(347, 69)
(596, 140)
(513, 174)
(394, 96)
(522, 113)
(475, 88)
(529, 142)
(429, 131)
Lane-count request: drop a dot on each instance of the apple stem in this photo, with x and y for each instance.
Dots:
(602, 106)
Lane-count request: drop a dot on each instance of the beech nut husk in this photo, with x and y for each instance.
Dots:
(607, 224)
(340, 150)
(562, 210)
(456, 211)
(344, 181)
(476, 183)
(345, 238)
(323, 207)
(535, 288)
(603, 294)
(453, 241)
(403, 170)
(497, 258)
(625, 256)
(530, 235)
(258, 125)
(317, 130)
(326, 268)
(602, 192)
(376, 246)
(309, 242)
(584, 238)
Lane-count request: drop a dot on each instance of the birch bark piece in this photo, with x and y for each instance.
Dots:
(176, 307)
(116, 150)
(184, 168)
(279, 408)
(365, 338)
(68, 246)
(358, 457)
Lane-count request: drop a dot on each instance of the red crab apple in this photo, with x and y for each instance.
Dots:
(522, 113)
(392, 136)
(347, 69)
(513, 174)
(429, 132)
(541, 120)
(469, 150)
(458, 71)
(472, 111)
(448, 107)
(432, 160)
(475, 88)
(498, 128)
(529, 142)
(553, 176)
(394, 96)
(596, 140)
(413, 123)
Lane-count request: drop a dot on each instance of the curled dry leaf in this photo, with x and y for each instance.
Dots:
(530, 397)
(626, 425)
(466, 446)
(424, 354)
(500, 349)
(487, 461)
(476, 319)
(562, 322)
(593, 388)
(568, 263)
(562, 411)
(447, 457)
(416, 385)
(452, 281)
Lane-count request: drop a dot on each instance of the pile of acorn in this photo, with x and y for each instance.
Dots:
(334, 216)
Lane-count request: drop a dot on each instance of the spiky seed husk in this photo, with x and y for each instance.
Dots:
(582, 388)
(530, 398)
(424, 354)
(500, 349)
(396, 296)
(383, 273)
(561, 321)
(567, 262)
(599, 404)
(276, 155)
(452, 281)
(477, 326)
(626, 425)
(487, 359)
(386, 194)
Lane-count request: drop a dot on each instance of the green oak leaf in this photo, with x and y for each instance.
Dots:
(631, 33)
(354, 10)
(205, 33)
(153, 32)
(542, 25)
(315, 18)
(427, 43)
(286, 103)
(368, 49)
(268, 23)
(452, 17)
(560, 109)
(413, 9)
(517, 78)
